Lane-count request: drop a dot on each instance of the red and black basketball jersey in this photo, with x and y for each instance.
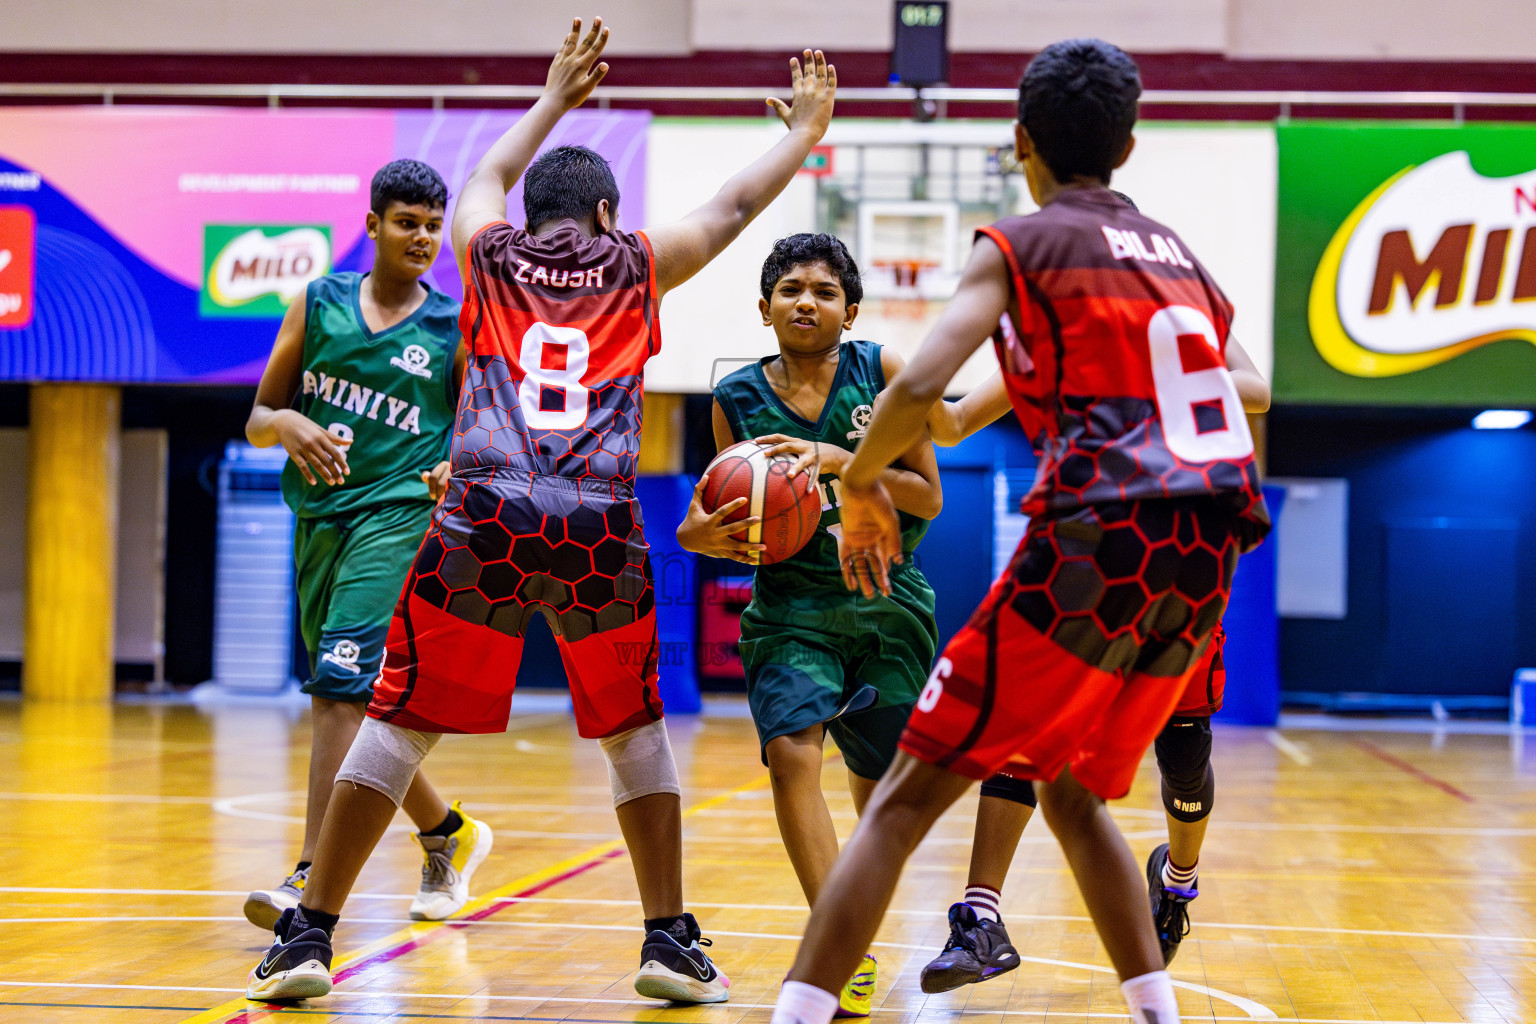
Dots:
(559, 327)
(1117, 368)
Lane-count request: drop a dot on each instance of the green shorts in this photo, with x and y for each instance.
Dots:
(349, 570)
(806, 653)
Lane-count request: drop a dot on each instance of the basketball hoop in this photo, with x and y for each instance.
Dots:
(906, 298)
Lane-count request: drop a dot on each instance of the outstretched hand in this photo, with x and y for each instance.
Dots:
(870, 539)
(575, 71)
(814, 86)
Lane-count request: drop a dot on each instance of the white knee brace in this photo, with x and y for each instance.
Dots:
(385, 757)
(640, 763)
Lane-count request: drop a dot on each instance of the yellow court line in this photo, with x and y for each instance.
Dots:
(259, 1009)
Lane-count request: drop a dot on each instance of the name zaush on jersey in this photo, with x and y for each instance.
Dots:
(351, 397)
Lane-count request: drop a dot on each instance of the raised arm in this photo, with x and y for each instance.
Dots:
(315, 450)
(683, 248)
(1252, 388)
(573, 75)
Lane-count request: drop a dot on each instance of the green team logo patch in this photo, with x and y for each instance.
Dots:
(257, 270)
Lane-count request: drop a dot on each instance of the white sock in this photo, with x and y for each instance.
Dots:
(1180, 878)
(800, 1003)
(985, 901)
(1150, 998)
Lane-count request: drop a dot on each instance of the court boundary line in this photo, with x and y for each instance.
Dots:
(903, 912)
(956, 1011)
(1414, 770)
(240, 1011)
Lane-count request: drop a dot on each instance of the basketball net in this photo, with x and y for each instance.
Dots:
(907, 300)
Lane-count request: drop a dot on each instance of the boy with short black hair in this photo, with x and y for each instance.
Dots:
(978, 947)
(818, 659)
(540, 517)
(1147, 494)
(360, 390)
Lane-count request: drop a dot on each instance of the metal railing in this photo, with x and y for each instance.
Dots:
(1456, 103)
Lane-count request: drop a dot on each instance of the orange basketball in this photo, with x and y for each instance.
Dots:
(790, 509)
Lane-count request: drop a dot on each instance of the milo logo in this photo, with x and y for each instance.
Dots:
(259, 270)
(1436, 261)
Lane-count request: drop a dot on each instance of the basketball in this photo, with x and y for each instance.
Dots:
(790, 509)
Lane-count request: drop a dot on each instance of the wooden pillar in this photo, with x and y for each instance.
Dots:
(72, 464)
(663, 433)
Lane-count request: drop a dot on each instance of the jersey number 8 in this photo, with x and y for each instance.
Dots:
(551, 392)
(1196, 400)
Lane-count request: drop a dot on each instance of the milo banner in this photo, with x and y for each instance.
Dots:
(1405, 272)
(152, 244)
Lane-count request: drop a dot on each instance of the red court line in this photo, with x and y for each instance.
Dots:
(395, 952)
(1414, 770)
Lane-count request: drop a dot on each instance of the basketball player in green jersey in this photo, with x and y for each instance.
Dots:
(819, 659)
(361, 389)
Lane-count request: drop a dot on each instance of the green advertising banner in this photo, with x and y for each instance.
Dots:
(1405, 266)
(258, 269)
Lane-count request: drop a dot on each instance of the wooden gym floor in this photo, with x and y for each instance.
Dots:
(1353, 873)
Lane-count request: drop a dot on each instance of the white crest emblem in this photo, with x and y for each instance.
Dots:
(344, 654)
(861, 416)
(413, 361)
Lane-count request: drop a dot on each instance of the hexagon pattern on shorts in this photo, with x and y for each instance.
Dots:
(487, 558)
(1129, 585)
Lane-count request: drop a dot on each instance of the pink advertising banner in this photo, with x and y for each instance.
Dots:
(162, 245)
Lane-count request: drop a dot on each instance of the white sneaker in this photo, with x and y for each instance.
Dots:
(264, 906)
(450, 862)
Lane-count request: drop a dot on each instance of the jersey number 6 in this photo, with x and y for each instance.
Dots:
(551, 393)
(1196, 400)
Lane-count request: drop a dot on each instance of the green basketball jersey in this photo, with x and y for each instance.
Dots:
(753, 409)
(390, 392)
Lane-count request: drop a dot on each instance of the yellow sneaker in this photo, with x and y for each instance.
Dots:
(859, 993)
(449, 863)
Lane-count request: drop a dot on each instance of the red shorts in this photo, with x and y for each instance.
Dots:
(1208, 683)
(498, 552)
(1083, 648)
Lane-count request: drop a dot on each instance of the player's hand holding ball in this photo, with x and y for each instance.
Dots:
(748, 507)
(714, 533)
(575, 71)
(870, 539)
(314, 449)
(808, 455)
(810, 106)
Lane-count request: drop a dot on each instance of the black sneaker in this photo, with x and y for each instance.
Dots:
(680, 973)
(976, 950)
(298, 968)
(1170, 915)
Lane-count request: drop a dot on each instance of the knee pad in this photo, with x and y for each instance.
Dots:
(1184, 759)
(640, 763)
(385, 757)
(1006, 787)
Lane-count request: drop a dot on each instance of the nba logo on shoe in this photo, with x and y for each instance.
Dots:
(18, 235)
(344, 654)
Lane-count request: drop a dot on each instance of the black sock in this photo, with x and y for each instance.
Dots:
(303, 866)
(448, 826)
(304, 918)
(683, 928)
